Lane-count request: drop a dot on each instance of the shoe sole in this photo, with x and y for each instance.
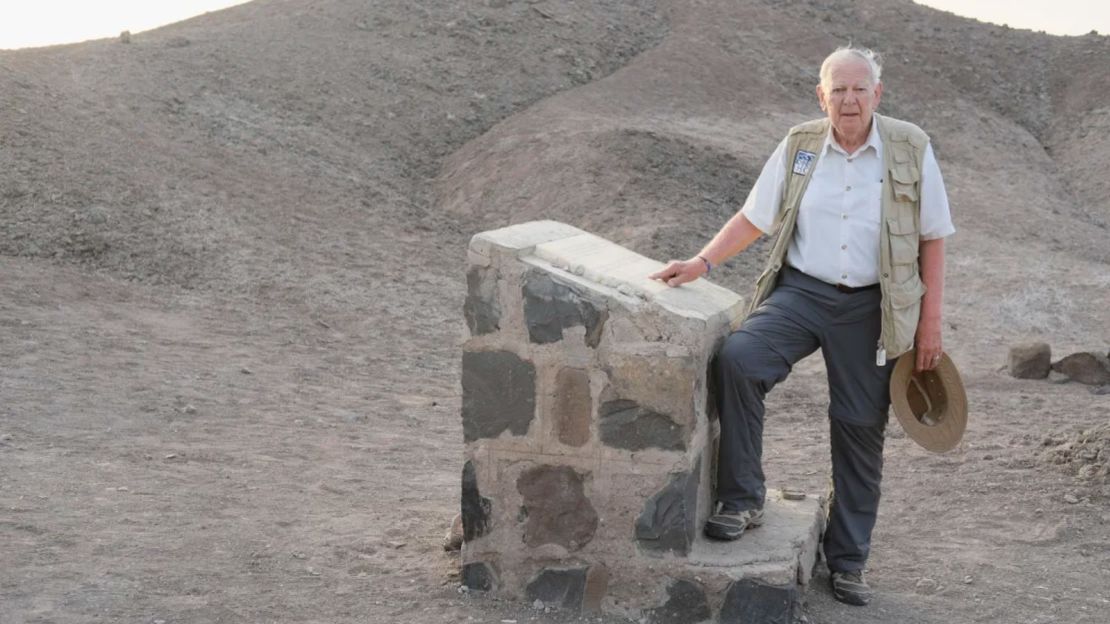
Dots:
(850, 598)
(727, 534)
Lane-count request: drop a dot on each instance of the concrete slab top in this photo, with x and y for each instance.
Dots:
(789, 532)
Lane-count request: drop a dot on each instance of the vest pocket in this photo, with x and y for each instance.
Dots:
(903, 180)
(905, 304)
(903, 247)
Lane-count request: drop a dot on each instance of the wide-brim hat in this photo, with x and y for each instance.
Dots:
(932, 404)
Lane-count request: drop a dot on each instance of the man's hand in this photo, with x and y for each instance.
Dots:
(928, 343)
(678, 272)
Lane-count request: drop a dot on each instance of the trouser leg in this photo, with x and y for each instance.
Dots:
(857, 466)
(752, 360)
(859, 401)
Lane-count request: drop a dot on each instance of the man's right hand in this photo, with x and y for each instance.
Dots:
(678, 272)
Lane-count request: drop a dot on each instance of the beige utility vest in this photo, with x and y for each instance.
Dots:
(899, 231)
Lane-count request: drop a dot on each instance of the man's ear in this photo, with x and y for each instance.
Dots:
(821, 97)
(878, 93)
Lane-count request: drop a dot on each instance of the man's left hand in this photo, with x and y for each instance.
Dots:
(928, 342)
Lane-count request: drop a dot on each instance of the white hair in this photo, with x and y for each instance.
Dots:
(850, 52)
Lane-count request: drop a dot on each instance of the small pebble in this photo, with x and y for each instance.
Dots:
(793, 495)
(926, 586)
(1070, 499)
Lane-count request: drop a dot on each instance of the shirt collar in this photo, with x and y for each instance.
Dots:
(873, 141)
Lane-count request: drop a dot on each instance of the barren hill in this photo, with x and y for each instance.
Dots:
(231, 288)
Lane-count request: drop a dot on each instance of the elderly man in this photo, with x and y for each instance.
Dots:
(857, 269)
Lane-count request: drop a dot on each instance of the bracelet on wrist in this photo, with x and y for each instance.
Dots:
(708, 264)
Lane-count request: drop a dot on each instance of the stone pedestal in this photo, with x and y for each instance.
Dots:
(589, 439)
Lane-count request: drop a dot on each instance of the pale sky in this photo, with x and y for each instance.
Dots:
(1056, 17)
(30, 23)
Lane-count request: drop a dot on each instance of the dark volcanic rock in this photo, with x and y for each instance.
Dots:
(555, 509)
(561, 587)
(482, 307)
(551, 307)
(573, 407)
(499, 393)
(475, 507)
(1089, 368)
(1030, 361)
(686, 604)
(748, 601)
(479, 576)
(668, 521)
(628, 425)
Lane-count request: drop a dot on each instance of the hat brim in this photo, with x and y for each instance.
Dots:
(945, 434)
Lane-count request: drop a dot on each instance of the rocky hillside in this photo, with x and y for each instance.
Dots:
(313, 152)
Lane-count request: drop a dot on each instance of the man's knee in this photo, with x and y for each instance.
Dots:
(744, 355)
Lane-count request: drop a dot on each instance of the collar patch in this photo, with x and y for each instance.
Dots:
(803, 160)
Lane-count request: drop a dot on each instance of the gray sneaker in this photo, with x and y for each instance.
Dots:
(851, 588)
(730, 525)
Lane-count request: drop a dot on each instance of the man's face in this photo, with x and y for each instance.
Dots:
(849, 98)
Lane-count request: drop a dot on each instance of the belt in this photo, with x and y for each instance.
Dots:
(855, 289)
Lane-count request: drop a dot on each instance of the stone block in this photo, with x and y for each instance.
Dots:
(749, 600)
(572, 408)
(482, 309)
(1030, 361)
(564, 588)
(475, 507)
(597, 584)
(499, 394)
(664, 383)
(479, 576)
(625, 424)
(551, 306)
(668, 522)
(686, 604)
(555, 508)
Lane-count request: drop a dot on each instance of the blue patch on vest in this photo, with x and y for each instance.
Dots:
(803, 160)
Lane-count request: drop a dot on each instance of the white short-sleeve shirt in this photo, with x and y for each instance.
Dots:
(836, 238)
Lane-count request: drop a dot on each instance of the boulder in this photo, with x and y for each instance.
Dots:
(1089, 368)
(1030, 360)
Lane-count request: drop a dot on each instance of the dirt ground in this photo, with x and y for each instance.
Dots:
(231, 291)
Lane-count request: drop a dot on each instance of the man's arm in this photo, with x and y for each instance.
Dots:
(936, 224)
(741, 230)
(733, 238)
(928, 339)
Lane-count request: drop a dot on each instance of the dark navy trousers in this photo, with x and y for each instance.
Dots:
(801, 315)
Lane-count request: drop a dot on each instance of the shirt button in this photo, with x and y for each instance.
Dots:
(848, 188)
(843, 246)
(843, 216)
(844, 276)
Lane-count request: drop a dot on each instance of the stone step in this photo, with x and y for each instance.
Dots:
(760, 577)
